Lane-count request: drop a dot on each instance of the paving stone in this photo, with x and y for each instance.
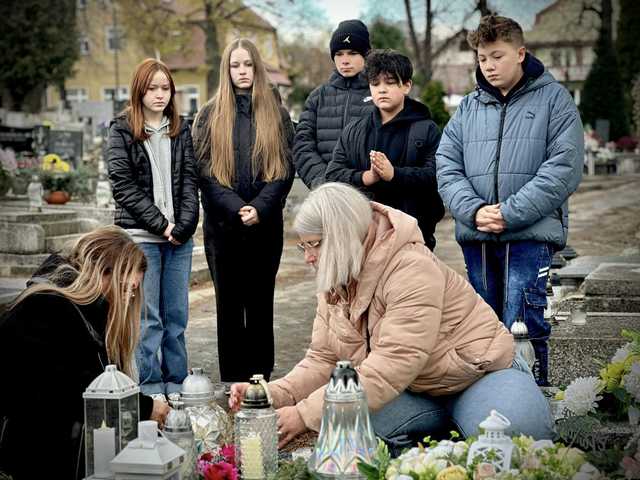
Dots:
(614, 280)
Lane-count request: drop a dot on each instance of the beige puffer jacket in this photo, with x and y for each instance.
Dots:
(410, 323)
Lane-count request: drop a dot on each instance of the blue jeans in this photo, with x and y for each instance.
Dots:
(161, 354)
(512, 392)
(512, 278)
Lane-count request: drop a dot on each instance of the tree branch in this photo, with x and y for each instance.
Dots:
(413, 36)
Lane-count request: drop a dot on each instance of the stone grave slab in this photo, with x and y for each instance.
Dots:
(579, 268)
(614, 280)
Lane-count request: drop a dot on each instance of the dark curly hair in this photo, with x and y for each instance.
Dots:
(494, 27)
(388, 62)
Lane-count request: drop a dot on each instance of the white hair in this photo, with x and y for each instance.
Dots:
(341, 215)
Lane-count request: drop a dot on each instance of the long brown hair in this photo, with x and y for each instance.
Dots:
(105, 263)
(268, 157)
(139, 85)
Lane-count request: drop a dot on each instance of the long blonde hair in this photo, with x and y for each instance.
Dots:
(341, 214)
(268, 157)
(105, 262)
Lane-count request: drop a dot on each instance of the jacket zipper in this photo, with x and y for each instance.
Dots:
(346, 108)
(503, 114)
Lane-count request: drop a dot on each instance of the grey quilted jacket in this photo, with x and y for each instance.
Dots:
(527, 154)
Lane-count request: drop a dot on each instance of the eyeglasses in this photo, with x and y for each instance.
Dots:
(304, 246)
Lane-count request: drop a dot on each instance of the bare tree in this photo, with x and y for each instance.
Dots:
(424, 52)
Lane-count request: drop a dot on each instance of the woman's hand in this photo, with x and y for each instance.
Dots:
(290, 425)
(249, 215)
(237, 394)
(159, 412)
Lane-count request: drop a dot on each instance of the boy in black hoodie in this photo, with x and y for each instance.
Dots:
(390, 153)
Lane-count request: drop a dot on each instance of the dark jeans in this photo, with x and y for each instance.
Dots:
(512, 278)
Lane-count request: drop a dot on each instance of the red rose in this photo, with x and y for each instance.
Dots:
(220, 471)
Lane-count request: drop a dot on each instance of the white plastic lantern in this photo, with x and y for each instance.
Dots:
(493, 440)
(111, 416)
(149, 457)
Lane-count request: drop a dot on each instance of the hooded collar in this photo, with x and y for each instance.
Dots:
(164, 125)
(413, 111)
(344, 83)
(534, 76)
(390, 230)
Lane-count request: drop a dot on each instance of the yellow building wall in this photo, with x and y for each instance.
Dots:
(96, 70)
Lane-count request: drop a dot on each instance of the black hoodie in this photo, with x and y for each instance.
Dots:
(532, 69)
(409, 141)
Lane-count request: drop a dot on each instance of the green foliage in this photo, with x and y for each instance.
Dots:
(295, 470)
(377, 469)
(627, 41)
(76, 183)
(583, 431)
(433, 96)
(387, 35)
(39, 47)
(603, 94)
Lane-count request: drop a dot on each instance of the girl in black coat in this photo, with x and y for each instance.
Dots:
(82, 314)
(242, 139)
(154, 180)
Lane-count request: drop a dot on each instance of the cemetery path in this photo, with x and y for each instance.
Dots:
(604, 220)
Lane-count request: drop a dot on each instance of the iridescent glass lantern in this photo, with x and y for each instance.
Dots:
(111, 415)
(346, 434)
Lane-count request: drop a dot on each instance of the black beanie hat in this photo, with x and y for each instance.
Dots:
(350, 35)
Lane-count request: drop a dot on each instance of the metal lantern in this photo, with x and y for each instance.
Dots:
(493, 446)
(210, 423)
(256, 436)
(149, 457)
(111, 416)
(520, 334)
(177, 428)
(346, 434)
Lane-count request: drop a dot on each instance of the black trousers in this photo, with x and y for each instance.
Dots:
(243, 264)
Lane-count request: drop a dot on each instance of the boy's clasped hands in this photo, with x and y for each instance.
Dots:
(381, 169)
(489, 219)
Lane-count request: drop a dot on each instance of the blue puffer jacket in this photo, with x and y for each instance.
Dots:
(526, 153)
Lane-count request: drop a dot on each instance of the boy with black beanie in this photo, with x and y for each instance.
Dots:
(330, 107)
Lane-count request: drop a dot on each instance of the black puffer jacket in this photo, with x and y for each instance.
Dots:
(221, 204)
(409, 141)
(329, 108)
(132, 184)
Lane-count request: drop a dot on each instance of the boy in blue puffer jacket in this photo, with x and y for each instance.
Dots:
(507, 163)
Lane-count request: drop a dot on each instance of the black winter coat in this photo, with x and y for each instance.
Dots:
(49, 354)
(409, 141)
(132, 184)
(329, 109)
(221, 204)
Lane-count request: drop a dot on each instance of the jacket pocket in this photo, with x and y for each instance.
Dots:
(459, 374)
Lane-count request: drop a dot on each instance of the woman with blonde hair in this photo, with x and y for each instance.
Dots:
(242, 139)
(430, 353)
(81, 315)
(154, 181)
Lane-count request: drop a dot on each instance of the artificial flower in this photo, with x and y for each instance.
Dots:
(220, 471)
(582, 395)
(621, 353)
(229, 453)
(631, 467)
(455, 472)
(631, 382)
(484, 471)
(611, 375)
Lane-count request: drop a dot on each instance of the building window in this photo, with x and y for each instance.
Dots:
(81, 4)
(115, 38)
(188, 99)
(107, 94)
(76, 95)
(556, 58)
(84, 45)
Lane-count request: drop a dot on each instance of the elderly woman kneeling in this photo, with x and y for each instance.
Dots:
(430, 353)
